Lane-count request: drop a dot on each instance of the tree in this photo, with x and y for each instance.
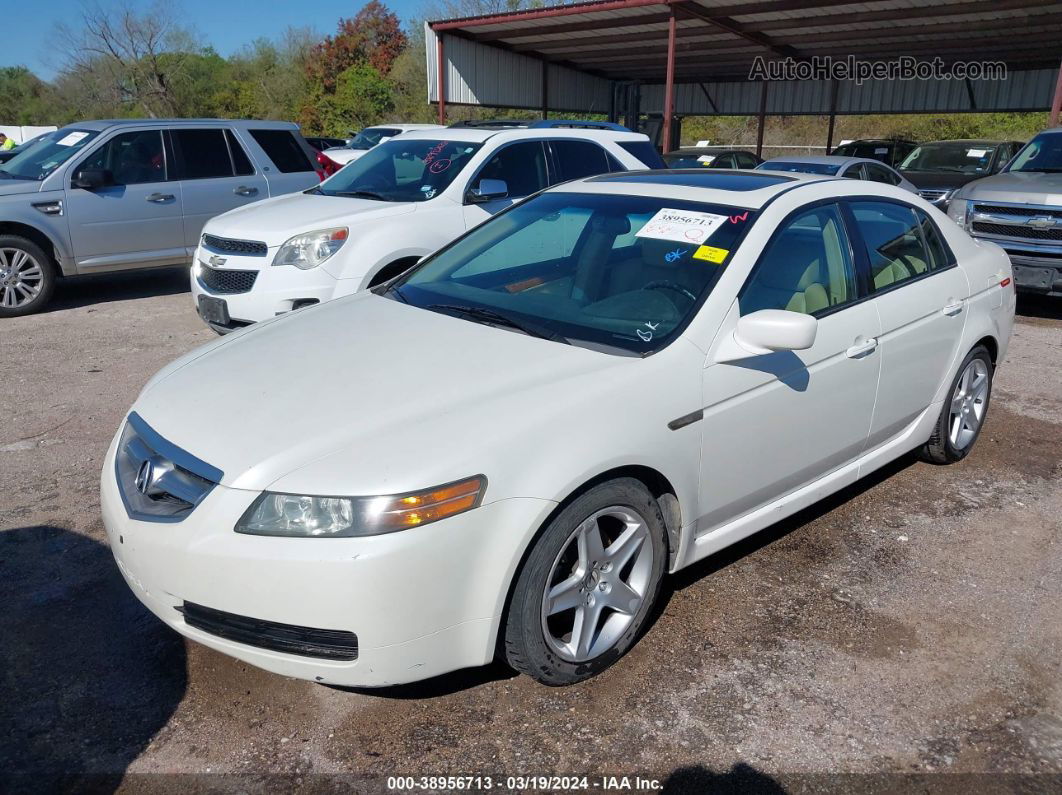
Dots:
(374, 36)
(24, 97)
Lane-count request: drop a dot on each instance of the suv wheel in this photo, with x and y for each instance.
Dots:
(964, 411)
(588, 585)
(27, 277)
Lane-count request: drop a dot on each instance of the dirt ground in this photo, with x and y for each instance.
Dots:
(906, 634)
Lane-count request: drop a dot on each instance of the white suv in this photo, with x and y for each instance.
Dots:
(375, 218)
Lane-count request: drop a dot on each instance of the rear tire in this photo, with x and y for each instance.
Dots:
(27, 276)
(964, 412)
(598, 564)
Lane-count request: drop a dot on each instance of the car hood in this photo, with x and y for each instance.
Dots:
(276, 220)
(399, 397)
(941, 180)
(9, 187)
(1025, 187)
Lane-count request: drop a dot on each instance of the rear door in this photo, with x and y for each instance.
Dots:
(576, 159)
(136, 220)
(921, 297)
(290, 165)
(522, 165)
(215, 176)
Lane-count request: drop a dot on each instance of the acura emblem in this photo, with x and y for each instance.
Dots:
(147, 476)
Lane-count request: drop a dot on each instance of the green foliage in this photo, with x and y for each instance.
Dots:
(362, 97)
(24, 98)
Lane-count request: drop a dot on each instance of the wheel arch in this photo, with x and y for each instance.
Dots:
(390, 270)
(39, 237)
(992, 344)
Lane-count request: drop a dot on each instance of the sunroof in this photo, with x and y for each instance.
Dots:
(698, 178)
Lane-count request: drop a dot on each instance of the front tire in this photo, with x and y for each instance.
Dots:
(964, 412)
(588, 585)
(27, 276)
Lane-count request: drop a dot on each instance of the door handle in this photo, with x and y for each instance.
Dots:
(953, 308)
(243, 190)
(159, 198)
(862, 347)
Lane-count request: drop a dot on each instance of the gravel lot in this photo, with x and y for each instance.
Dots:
(912, 625)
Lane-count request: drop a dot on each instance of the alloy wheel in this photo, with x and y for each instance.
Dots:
(597, 584)
(968, 404)
(21, 278)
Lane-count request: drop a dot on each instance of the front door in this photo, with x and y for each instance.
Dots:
(135, 220)
(216, 176)
(522, 166)
(776, 422)
(921, 296)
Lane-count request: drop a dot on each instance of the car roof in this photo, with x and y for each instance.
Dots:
(729, 187)
(822, 160)
(712, 150)
(403, 126)
(966, 142)
(481, 134)
(875, 141)
(106, 124)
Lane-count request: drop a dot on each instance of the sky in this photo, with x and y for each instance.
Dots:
(28, 37)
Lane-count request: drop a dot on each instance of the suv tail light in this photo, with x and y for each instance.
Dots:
(328, 165)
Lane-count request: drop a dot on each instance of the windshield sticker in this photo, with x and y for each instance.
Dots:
(711, 254)
(682, 226)
(881, 151)
(428, 191)
(71, 138)
(526, 284)
(706, 159)
(738, 218)
(976, 152)
(676, 255)
(439, 166)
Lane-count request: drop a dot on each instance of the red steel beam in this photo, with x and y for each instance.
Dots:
(669, 82)
(545, 13)
(1056, 104)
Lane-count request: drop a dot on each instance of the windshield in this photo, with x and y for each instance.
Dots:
(689, 159)
(961, 157)
(1043, 153)
(402, 170)
(619, 273)
(38, 160)
(369, 137)
(804, 168)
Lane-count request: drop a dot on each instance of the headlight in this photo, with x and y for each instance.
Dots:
(957, 211)
(300, 516)
(311, 249)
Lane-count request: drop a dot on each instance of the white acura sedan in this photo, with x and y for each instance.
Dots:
(504, 450)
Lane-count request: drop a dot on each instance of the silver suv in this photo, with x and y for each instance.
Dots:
(112, 195)
(1020, 209)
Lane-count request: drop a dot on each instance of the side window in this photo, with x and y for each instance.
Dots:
(894, 241)
(283, 149)
(746, 160)
(854, 172)
(202, 154)
(239, 157)
(878, 173)
(575, 159)
(724, 161)
(522, 166)
(646, 152)
(807, 267)
(132, 158)
(939, 254)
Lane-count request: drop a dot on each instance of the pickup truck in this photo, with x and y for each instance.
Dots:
(1020, 209)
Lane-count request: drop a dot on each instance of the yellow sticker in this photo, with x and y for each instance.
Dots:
(711, 254)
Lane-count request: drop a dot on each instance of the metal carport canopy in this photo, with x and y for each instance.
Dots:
(694, 57)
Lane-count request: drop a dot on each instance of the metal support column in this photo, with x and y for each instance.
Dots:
(441, 77)
(669, 85)
(762, 118)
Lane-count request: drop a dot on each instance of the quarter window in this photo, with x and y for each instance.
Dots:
(854, 172)
(894, 241)
(575, 159)
(939, 254)
(807, 267)
(239, 156)
(202, 154)
(522, 166)
(285, 150)
(877, 173)
(132, 158)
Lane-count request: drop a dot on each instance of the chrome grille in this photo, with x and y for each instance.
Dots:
(158, 481)
(226, 282)
(1011, 230)
(1026, 211)
(253, 248)
(932, 195)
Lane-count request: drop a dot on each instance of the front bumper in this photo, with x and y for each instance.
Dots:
(274, 292)
(1037, 268)
(421, 602)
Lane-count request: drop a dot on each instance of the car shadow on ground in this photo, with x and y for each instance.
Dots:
(438, 686)
(740, 779)
(73, 292)
(1044, 307)
(88, 675)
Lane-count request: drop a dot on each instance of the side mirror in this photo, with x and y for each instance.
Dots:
(768, 331)
(488, 190)
(92, 178)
